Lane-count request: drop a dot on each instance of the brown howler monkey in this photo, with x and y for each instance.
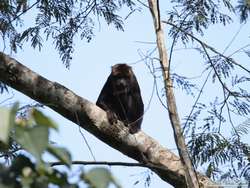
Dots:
(121, 98)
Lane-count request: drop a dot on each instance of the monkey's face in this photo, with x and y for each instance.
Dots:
(121, 84)
(122, 71)
(122, 75)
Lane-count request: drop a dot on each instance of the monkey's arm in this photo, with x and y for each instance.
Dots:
(104, 95)
(105, 100)
(137, 113)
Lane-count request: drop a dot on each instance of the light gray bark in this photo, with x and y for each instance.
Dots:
(190, 174)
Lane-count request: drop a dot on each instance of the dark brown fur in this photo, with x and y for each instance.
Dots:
(121, 98)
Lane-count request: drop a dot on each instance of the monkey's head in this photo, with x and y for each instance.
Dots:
(122, 70)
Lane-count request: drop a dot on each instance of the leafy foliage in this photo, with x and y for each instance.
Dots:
(211, 149)
(207, 126)
(6, 124)
(223, 154)
(99, 177)
(196, 15)
(31, 136)
(238, 80)
(183, 83)
(24, 173)
(241, 107)
(244, 9)
(214, 150)
(58, 20)
(222, 66)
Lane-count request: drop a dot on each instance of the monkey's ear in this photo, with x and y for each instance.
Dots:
(113, 69)
(130, 71)
(115, 66)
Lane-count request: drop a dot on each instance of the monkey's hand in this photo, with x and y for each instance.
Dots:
(112, 117)
(133, 129)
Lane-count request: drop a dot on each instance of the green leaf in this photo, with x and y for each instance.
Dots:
(19, 163)
(4, 124)
(6, 186)
(61, 154)
(7, 121)
(34, 139)
(42, 119)
(27, 181)
(56, 177)
(100, 178)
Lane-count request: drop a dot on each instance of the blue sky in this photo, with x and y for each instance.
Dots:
(90, 67)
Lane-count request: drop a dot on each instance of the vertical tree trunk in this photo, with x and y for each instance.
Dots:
(190, 174)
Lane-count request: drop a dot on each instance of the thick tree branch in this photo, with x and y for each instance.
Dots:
(139, 146)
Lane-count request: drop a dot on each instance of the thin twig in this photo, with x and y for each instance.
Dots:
(173, 43)
(233, 39)
(9, 98)
(197, 99)
(100, 163)
(221, 108)
(145, 5)
(151, 166)
(215, 71)
(242, 48)
(230, 120)
(84, 138)
(26, 10)
(208, 46)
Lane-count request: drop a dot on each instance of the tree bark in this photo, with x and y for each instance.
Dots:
(191, 178)
(90, 117)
